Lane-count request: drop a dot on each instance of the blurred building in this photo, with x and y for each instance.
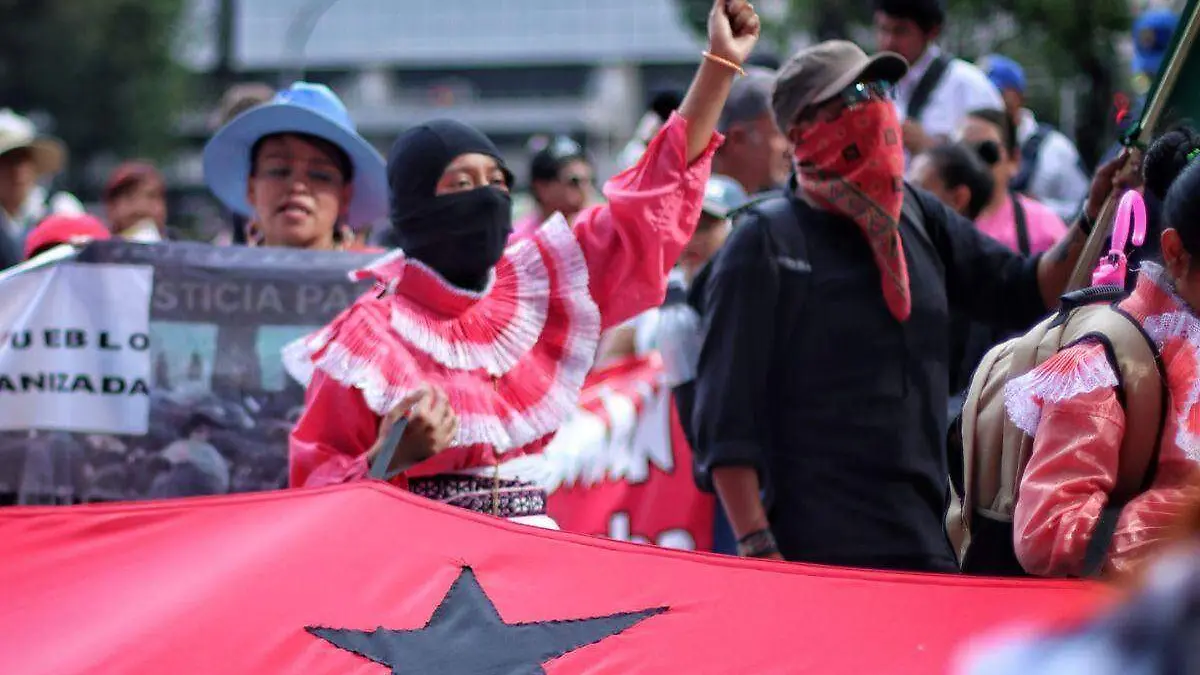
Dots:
(513, 68)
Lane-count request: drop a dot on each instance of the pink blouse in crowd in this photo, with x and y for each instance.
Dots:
(512, 359)
(1045, 227)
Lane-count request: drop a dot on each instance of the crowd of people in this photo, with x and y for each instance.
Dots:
(839, 241)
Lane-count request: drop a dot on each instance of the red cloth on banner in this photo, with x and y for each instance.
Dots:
(646, 493)
(229, 585)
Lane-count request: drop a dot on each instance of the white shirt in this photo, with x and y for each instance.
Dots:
(37, 206)
(963, 88)
(1057, 180)
(674, 332)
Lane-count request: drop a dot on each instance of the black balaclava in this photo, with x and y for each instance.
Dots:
(461, 236)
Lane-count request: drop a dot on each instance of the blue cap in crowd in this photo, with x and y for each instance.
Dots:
(1151, 38)
(1004, 72)
(723, 196)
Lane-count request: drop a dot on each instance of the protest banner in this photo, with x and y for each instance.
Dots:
(190, 334)
(133, 371)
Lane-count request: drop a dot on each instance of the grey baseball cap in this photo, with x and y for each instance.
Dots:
(818, 73)
(749, 98)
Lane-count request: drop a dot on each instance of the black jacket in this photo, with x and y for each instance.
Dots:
(805, 375)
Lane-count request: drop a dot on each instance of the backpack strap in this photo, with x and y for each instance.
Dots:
(925, 86)
(1037, 345)
(1030, 150)
(912, 211)
(790, 248)
(1021, 221)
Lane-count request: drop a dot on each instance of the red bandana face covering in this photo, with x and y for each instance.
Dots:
(854, 166)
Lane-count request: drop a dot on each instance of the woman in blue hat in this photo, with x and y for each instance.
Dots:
(298, 169)
(483, 348)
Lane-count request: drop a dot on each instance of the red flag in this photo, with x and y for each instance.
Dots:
(357, 578)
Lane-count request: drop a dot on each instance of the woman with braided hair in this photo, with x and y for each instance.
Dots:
(1072, 405)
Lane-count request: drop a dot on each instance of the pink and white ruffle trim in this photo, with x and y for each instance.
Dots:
(1067, 374)
(515, 427)
(511, 341)
(1184, 326)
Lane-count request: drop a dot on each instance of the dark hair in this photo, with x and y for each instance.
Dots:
(339, 156)
(666, 101)
(1167, 157)
(1008, 132)
(958, 165)
(196, 422)
(130, 176)
(557, 152)
(1181, 208)
(927, 14)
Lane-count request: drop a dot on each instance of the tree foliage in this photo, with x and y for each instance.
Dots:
(102, 70)
(1061, 43)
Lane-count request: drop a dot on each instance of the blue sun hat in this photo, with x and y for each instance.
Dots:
(303, 108)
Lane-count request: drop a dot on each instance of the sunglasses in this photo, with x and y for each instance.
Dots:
(847, 99)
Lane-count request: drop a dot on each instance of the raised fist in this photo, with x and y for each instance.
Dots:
(733, 28)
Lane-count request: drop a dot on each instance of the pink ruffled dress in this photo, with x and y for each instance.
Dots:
(511, 359)
(1070, 405)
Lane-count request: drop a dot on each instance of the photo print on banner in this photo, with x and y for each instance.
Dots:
(215, 403)
(139, 371)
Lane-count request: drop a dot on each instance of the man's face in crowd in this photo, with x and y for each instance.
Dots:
(18, 176)
(570, 192)
(298, 192)
(902, 36)
(760, 150)
(705, 242)
(975, 131)
(145, 199)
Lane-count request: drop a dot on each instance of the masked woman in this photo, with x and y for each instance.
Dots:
(297, 167)
(483, 349)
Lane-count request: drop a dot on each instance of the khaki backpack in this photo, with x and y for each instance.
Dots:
(994, 451)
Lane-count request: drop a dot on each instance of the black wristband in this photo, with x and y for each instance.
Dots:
(1085, 224)
(758, 544)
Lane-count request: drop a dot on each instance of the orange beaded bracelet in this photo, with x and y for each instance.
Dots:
(725, 62)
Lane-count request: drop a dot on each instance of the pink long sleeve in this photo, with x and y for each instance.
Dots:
(1072, 469)
(329, 442)
(632, 242)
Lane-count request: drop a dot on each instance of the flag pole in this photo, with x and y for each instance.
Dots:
(1092, 248)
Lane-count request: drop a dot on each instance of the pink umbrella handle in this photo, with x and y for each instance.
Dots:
(1131, 212)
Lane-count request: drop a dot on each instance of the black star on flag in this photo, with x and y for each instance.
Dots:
(466, 636)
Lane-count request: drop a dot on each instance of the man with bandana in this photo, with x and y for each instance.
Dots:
(821, 387)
